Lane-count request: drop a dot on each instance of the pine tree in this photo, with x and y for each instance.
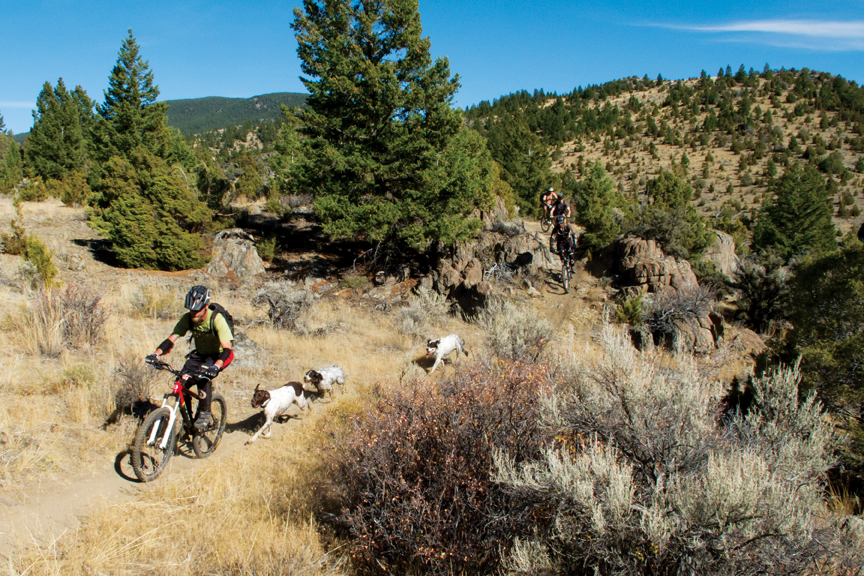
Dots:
(595, 200)
(798, 218)
(130, 116)
(378, 124)
(57, 144)
(147, 207)
(524, 159)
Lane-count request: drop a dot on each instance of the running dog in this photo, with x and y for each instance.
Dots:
(275, 403)
(443, 347)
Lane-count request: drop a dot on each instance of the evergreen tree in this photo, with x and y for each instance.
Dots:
(130, 116)
(524, 159)
(826, 308)
(798, 218)
(670, 218)
(10, 160)
(596, 204)
(378, 124)
(57, 144)
(143, 199)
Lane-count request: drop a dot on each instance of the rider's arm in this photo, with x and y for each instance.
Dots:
(223, 331)
(166, 346)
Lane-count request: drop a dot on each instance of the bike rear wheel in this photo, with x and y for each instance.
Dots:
(545, 223)
(149, 460)
(566, 274)
(206, 441)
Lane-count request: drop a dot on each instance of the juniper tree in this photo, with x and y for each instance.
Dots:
(595, 200)
(382, 154)
(798, 218)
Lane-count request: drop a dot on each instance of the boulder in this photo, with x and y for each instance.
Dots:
(643, 263)
(234, 254)
(722, 254)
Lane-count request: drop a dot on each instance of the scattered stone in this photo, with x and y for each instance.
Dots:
(234, 254)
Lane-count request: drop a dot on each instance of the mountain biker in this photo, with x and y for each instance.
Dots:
(564, 240)
(562, 209)
(212, 352)
(547, 198)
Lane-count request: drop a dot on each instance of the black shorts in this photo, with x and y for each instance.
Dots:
(195, 361)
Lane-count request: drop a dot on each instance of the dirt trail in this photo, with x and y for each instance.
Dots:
(47, 510)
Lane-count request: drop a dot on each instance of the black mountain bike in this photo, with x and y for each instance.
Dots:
(157, 438)
(566, 270)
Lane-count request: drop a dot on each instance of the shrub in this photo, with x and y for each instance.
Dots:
(84, 316)
(630, 311)
(16, 243)
(132, 385)
(411, 475)
(514, 333)
(426, 306)
(673, 306)
(266, 248)
(762, 285)
(288, 305)
(645, 478)
(43, 261)
(355, 282)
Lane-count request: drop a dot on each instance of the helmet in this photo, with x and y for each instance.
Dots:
(560, 196)
(551, 189)
(559, 220)
(197, 298)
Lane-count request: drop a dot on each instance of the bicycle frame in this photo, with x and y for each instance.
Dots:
(179, 392)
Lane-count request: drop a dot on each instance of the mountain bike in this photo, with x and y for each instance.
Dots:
(157, 438)
(566, 270)
(545, 219)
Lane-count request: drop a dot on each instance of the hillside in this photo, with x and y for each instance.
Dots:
(729, 136)
(195, 115)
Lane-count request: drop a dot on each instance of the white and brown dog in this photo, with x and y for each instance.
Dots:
(443, 347)
(324, 378)
(276, 402)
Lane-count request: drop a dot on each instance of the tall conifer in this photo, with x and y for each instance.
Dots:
(379, 125)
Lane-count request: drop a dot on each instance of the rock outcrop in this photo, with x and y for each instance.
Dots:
(722, 254)
(643, 267)
(234, 254)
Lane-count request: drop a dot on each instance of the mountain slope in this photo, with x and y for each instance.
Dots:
(197, 115)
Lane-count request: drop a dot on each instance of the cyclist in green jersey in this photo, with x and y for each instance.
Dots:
(213, 339)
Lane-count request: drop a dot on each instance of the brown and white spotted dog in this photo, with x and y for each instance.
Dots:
(276, 402)
(323, 378)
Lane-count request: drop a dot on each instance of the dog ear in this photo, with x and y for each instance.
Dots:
(256, 387)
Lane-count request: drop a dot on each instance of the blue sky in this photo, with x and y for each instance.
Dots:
(244, 48)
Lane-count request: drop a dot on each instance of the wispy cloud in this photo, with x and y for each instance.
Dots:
(17, 105)
(811, 34)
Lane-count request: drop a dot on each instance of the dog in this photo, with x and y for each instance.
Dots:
(443, 347)
(275, 403)
(324, 378)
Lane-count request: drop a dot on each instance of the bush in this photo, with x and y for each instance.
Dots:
(515, 333)
(43, 262)
(288, 305)
(670, 307)
(426, 307)
(411, 475)
(16, 243)
(762, 285)
(355, 282)
(58, 318)
(266, 248)
(630, 311)
(645, 478)
(156, 302)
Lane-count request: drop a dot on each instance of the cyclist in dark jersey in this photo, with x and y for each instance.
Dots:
(212, 352)
(560, 208)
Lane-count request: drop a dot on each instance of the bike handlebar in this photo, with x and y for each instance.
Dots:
(159, 365)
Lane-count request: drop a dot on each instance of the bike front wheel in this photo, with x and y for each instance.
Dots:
(205, 442)
(149, 459)
(566, 275)
(545, 223)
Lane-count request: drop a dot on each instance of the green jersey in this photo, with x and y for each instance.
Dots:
(206, 342)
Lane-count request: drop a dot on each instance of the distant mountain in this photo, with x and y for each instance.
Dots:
(196, 115)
